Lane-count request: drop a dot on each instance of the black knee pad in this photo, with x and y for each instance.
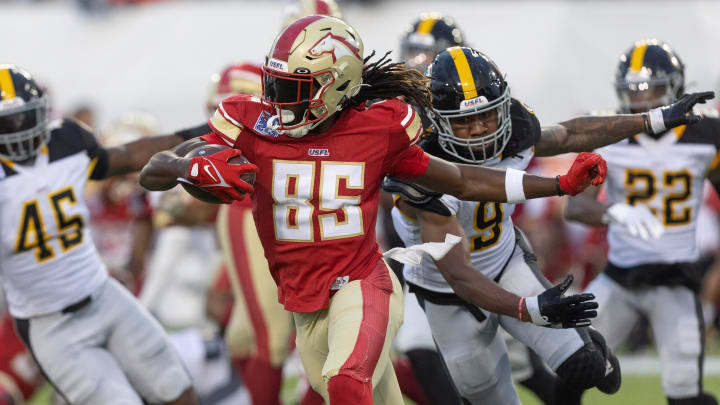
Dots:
(584, 369)
(702, 399)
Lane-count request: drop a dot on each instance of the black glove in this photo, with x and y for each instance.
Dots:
(678, 113)
(552, 310)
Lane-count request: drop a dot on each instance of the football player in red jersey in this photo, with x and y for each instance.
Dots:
(259, 331)
(321, 150)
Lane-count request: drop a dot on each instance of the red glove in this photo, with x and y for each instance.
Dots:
(214, 174)
(588, 168)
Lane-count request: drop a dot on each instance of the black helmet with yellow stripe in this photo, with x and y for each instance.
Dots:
(465, 82)
(23, 115)
(650, 74)
(427, 37)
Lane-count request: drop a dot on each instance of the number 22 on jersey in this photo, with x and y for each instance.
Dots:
(32, 233)
(293, 185)
(644, 188)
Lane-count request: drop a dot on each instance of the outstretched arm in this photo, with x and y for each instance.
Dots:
(132, 156)
(468, 283)
(587, 133)
(548, 309)
(164, 168)
(590, 132)
(477, 183)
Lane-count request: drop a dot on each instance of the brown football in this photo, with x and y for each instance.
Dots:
(203, 195)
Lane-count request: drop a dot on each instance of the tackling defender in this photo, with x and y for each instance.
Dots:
(478, 122)
(654, 188)
(91, 338)
(321, 150)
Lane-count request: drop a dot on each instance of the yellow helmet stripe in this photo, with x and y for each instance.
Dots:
(637, 57)
(426, 26)
(464, 73)
(7, 88)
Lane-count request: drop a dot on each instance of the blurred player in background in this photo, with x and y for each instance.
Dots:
(477, 122)
(19, 375)
(120, 213)
(429, 35)
(91, 338)
(654, 190)
(321, 250)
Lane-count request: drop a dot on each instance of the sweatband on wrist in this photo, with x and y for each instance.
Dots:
(558, 187)
(646, 123)
(657, 124)
(534, 310)
(514, 185)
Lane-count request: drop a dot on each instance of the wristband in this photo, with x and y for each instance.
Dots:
(514, 192)
(520, 308)
(646, 123)
(657, 124)
(534, 310)
(558, 188)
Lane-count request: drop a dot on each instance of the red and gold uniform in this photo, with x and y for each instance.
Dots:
(315, 207)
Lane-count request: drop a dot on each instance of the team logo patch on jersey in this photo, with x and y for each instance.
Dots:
(318, 152)
(261, 125)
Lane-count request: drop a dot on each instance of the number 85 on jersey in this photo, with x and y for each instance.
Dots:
(296, 202)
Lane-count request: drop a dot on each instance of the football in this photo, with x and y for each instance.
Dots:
(203, 195)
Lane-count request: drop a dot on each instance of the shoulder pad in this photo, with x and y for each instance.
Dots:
(706, 131)
(525, 129)
(402, 114)
(408, 191)
(236, 113)
(68, 137)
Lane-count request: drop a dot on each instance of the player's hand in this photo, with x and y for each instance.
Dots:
(588, 168)
(637, 219)
(553, 310)
(217, 176)
(678, 113)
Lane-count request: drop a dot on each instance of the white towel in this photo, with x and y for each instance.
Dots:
(412, 255)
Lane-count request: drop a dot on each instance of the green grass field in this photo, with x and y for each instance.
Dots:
(636, 390)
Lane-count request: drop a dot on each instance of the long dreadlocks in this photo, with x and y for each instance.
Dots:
(384, 79)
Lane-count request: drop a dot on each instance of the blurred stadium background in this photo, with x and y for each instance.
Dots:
(111, 57)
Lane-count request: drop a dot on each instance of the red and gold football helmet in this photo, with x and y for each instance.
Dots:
(238, 78)
(314, 66)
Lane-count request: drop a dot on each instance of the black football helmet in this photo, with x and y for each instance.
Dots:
(23, 115)
(650, 67)
(428, 36)
(466, 82)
